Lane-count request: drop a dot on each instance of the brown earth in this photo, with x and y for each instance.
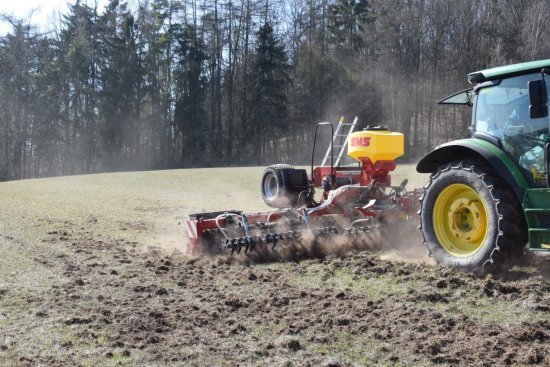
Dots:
(120, 305)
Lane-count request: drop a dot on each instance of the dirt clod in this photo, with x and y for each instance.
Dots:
(161, 292)
(289, 342)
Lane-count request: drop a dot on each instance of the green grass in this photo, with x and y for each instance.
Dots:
(362, 351)
(359, 350)
(487, 310)
(461, 301)
(341, 279)
(144, 207)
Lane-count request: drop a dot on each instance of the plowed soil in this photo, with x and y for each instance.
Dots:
(121, 305)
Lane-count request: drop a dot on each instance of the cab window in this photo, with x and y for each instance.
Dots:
(502, 111)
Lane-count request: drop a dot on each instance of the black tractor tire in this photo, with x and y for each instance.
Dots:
(275, 191)
(471, 219)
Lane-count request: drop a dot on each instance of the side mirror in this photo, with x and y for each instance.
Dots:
(538, 99)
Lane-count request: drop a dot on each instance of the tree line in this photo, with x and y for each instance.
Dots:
(199, 83)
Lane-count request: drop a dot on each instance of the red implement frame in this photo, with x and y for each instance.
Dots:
(389, 207)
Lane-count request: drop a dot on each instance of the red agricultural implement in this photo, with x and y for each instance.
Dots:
(355, 198)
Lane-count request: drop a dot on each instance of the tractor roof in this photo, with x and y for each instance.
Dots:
(507, 70)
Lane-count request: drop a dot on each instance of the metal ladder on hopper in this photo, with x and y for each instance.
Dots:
(340, 133)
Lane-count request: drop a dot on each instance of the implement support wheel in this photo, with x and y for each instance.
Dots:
(275, 192)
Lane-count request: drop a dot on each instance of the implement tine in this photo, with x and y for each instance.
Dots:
(229, 244)
(249, 244)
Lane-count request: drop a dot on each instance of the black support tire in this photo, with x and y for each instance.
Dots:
(277, 191)
(471, 219)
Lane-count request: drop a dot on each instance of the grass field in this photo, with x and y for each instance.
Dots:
(90, 274)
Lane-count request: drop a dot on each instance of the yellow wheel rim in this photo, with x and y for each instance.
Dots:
(460, 220)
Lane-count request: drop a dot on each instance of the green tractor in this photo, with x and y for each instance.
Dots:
(489, 195)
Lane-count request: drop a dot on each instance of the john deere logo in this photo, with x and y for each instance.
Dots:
(360, 142)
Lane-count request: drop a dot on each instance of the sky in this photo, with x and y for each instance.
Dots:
(44, 10)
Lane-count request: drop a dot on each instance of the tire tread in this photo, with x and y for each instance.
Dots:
(512, 233)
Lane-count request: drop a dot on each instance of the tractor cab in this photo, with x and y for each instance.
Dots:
(501, 115)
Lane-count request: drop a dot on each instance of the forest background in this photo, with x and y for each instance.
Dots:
(202, 83)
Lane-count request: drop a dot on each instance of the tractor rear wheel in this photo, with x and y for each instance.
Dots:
(470, 218)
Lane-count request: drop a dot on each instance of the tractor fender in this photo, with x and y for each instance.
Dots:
(475, 148)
